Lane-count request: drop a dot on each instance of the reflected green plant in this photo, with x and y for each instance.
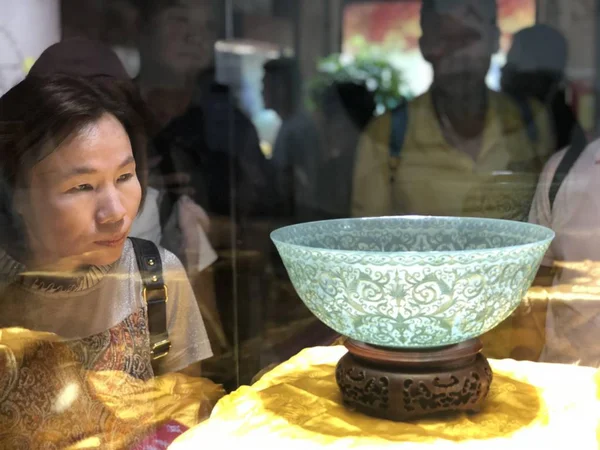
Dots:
(368, 67)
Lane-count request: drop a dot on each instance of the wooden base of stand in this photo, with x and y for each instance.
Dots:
(403, 385)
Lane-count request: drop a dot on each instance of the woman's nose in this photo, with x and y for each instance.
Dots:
(110, 207)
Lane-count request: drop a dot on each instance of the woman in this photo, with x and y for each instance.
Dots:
(72, 159)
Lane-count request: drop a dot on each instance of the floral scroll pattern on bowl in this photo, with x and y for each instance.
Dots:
(411, 281)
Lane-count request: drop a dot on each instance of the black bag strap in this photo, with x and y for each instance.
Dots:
(527, 118)
(155, 296)
(399, 125)
(398, 131)
(578, 144)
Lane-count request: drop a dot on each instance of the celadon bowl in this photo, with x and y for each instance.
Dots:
(412, 281)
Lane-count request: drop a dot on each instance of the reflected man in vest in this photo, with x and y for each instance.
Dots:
(460, 149)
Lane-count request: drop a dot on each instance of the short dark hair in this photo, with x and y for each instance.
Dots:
(351, 98)
(148, 9)
(430, 8)
(40, 113)
(284, 73)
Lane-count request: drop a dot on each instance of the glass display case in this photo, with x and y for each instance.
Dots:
(242, 117)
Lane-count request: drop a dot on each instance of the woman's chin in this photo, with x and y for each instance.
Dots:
(109, 257)
(104, 256)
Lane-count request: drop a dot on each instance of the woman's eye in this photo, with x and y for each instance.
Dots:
(125, 177)
(82, 188)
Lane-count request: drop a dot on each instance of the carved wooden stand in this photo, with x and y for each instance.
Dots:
(403, 385)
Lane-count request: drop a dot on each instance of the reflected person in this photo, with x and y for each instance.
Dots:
(535, 69)
(460, 149)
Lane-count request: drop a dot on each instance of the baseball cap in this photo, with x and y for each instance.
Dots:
(538, 48)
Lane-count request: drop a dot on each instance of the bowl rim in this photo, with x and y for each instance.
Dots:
(550, 236)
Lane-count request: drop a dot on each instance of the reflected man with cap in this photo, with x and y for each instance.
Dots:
(460, 149)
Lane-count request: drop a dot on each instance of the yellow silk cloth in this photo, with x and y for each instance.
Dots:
(144, 406)
(522, 336)
(557, 324)
(47, 400)
(298, 406)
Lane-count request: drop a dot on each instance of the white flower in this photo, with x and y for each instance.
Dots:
(372, 84)
(346, 59)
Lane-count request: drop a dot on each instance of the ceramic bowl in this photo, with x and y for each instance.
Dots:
(412, 282)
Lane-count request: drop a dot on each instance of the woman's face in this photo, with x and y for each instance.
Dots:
(183, 37)
(81, 200)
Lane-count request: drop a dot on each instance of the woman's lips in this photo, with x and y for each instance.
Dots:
(113, 242)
